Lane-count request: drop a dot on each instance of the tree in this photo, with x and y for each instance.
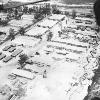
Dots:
(73, 14)
(11, 34)
(55, 10)
(4, 22)
(30, 10)
(97, 11)
(38, 36)
(22, 31)
(25, 10)
(45, 74)
(18, 16)
(60, 33)
(8, 16)
(48, 9)
(66, 13)
(49, 36)
(95, 98)
(45, 10)
(16, 12)
(38, 16)
(22, 60)
(20, 92)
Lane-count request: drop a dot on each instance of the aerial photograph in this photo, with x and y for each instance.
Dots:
(49, 49)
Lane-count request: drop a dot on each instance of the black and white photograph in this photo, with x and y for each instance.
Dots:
(49, 49)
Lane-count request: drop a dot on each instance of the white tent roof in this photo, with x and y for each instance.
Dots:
(30, 67)
(47, 23)
(23, 73)
(36, 31)
(84, 19)
(28, 17)
(73, 56)
(67, 47)
(75, 42)
(20, 23)
(57, 17)
(3, 15)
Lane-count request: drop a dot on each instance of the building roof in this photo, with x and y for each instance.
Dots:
(20, 23)
(57, 17)
(84, 19)
(68, 47)
(47, 23)
(23, 73)
(36, 31)
(28, 17)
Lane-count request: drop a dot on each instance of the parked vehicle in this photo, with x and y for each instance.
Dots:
(29, 62)
(78, 21)
(8, 58)
(12, 49)
(2, 56)
(88, 22)
(0, 53)
(6, 48)
(17, 52)
(2, 33)
(11, 76)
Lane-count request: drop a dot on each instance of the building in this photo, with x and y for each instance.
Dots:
(23, 73)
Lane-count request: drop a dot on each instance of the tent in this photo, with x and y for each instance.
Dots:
(47, 23)
(57, 17)
(23, 73)
(36, 31)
